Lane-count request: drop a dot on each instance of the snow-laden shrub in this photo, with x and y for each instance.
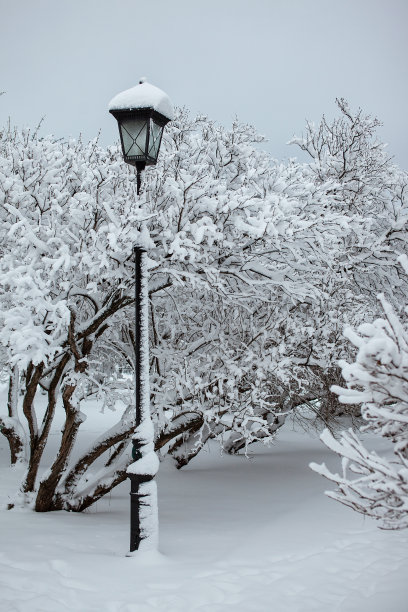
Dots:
(255, 266)
(371, 484)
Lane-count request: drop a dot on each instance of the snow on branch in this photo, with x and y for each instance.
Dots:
(378, 379)
(255, 267)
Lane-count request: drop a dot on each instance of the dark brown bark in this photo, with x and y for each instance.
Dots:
(99, 492)
(16, 445)
(28, 410)
(183, 458)
(87, 460)
(16, 442)
(31, 389)
(192, 426)
(37, 449)
(45, 498)
(116, 302)
(168, 435)
(118, 451)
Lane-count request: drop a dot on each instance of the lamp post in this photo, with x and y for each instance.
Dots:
(141, 113)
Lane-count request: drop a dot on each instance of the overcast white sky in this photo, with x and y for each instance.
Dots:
(272, 63)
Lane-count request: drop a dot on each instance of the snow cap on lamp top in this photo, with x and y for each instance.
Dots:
(143, 95)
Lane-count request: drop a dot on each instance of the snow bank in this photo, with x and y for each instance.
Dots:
(235, 534)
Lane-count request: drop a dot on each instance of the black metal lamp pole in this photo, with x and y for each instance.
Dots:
(141, 113)
(141, 357)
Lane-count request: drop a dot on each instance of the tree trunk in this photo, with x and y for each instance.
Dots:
(33, 378)
(101, 490)
(46, 499)
(188, 447)
(11, 427)
(41, 439)
(118, 435)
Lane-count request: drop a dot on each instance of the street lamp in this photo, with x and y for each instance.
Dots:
(141, 113)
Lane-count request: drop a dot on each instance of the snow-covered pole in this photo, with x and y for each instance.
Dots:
(141, 113)
(143, 493)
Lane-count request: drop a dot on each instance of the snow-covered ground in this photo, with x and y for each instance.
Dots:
(252, 535)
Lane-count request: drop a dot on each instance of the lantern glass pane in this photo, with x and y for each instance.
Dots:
(155, 138)
(134, 132)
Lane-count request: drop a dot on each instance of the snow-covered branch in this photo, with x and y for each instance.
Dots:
(254, 266)
(378, 379)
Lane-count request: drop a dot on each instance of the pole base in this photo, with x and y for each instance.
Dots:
(140, 499)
